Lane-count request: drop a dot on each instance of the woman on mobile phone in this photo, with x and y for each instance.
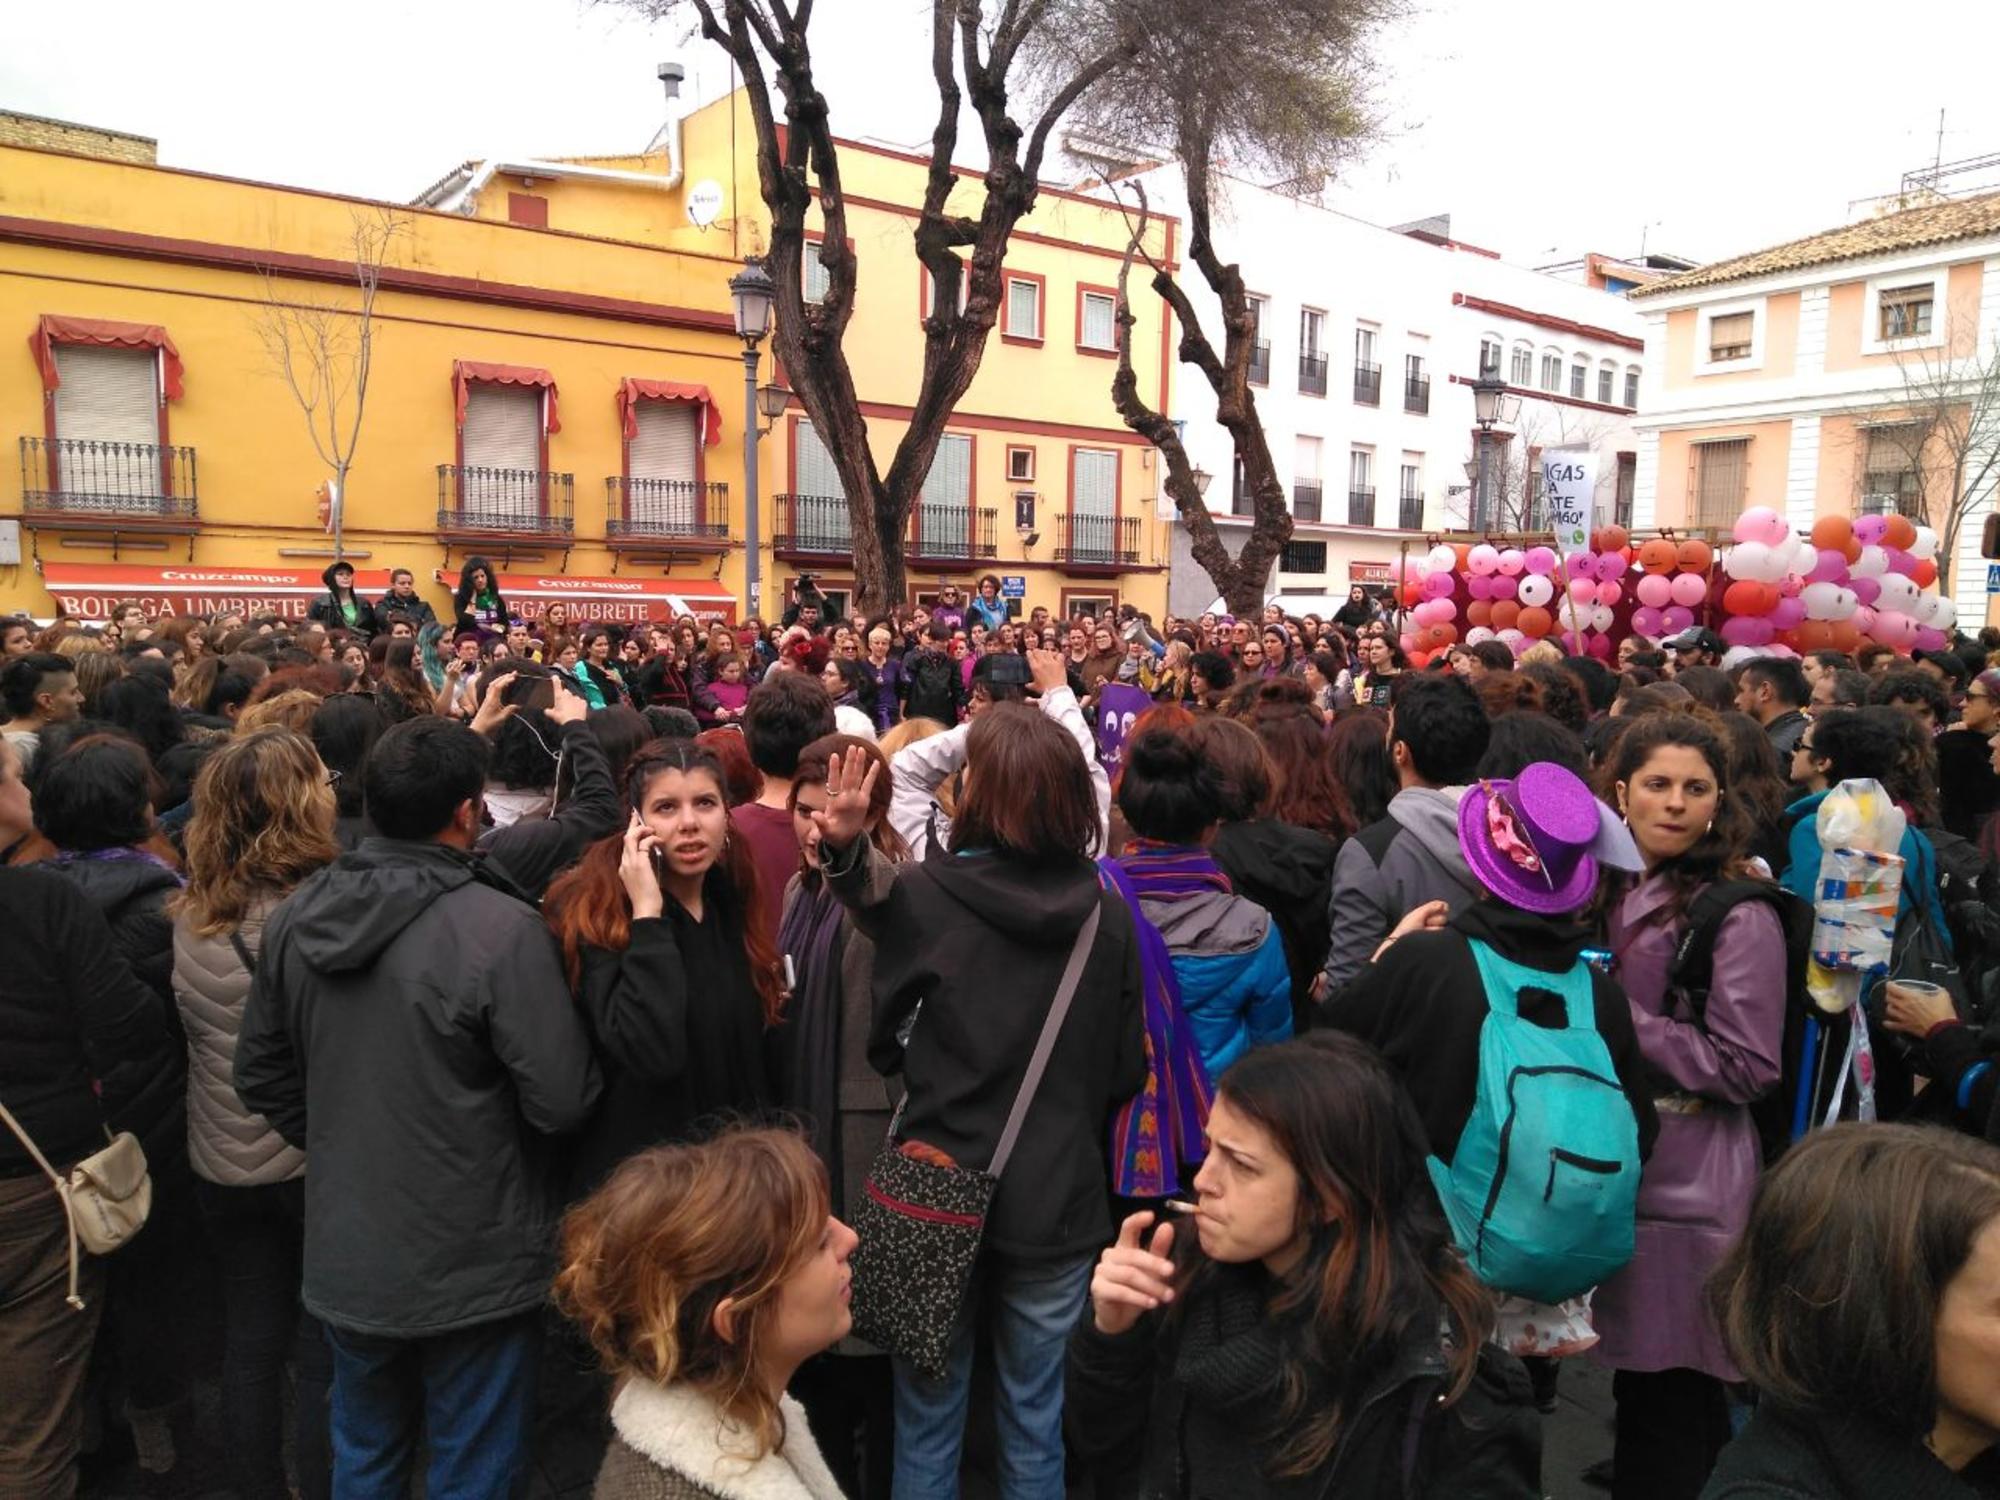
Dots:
(670, 959)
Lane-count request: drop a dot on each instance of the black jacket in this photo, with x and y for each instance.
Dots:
(981, 941)
(416, 609)
(1289, 872)
(679, 1033)
(72, 1017)
(409, 1026)
(1783, 1456)
(933, 686)
(1422, 1006)
(1196, 1391)
(531, 852)
(326, 610)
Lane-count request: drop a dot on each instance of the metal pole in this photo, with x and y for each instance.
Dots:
(1482, 500)
(753, 558)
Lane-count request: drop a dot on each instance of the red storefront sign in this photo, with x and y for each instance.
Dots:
(1369, 572)
(88, 591)
(617, 599)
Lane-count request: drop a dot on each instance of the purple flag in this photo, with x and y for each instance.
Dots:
(1119, 705)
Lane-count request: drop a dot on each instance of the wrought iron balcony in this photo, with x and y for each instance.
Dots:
(1368, 384)
(811, 526)
(1086, 541)
(475, 501)
(1417, 394)
(1312, 374)
(1361, 507)
(952, 533)
(643, 512)
(1260, 362)
(1306, 502)
(89, 483)
(1410, 512)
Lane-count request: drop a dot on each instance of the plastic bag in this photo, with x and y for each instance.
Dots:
(1859, 889)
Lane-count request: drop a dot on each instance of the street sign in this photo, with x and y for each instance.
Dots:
(1993, 578)
(1014, 586)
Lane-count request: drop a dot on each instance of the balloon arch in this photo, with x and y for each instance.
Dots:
(1847, 582)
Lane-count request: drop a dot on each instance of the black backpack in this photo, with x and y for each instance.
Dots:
(1777, 1112)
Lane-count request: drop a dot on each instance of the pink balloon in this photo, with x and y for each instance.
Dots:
(1762, 524)
(1655, 591)
(1831, 567)
(1790, 585)
(1929, 639)
(1439, 586)
(1899, 631)
(1482, 560)
(1583, 591)
(1581, 562)
(1611, 566)
(1479, 586)
(1688, 589)
(1599, 646)
(1504, 585)
(1540, 560)
(1674, 619)
(1748, 630)
(1864, 619)
(1443, 611)
(1512, 561)
(1788, 614)
(1902, 562)
(1610, 591)
(1408, 643)
(1867, 590)
(1646, 621)
(1869, 530)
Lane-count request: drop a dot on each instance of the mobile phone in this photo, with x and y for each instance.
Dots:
(1601, 959)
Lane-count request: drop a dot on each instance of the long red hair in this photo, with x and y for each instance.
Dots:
(587, 906)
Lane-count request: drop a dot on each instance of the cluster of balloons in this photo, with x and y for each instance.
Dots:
(1673, 584)
(1845, 583)
(1515, 594)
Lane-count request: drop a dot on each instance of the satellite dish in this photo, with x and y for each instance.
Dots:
(704, 203)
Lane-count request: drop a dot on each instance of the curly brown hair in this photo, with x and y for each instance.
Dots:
(263, 821)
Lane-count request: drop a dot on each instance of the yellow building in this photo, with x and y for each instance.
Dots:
(556, 384)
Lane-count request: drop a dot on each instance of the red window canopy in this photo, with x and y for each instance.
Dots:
(467, 372)
(53, 330)
(632, 390)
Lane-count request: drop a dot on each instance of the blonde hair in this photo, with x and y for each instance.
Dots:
(1542, 653)
(913, 732)
(263, 821)
(291, 710)
(649, 1256)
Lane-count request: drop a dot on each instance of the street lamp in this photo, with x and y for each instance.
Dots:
(750, 291)
(772, 400)
(1202, 479)
(1486, 393)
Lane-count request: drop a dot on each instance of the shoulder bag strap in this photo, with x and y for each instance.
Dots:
(243, 950)
(32, 1149)
(62, 1196)
(1046, 1042)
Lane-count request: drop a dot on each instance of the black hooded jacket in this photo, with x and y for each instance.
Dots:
(981, 941)
(409, 1025)
(1289, 872)
(326, 610)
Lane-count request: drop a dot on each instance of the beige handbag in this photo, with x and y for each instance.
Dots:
(106, 1196)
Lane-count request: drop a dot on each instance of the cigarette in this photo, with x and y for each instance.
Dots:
(1177, 1206)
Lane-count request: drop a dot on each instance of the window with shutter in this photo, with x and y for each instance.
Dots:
(820, 517)
(816, 276)
(107, 411)
(1606, 376)
(1722, 474)
(501, 448)
(1729, 336)
(661, 465)
(1024, 309)
(1093, 504)
(945, 516)
(1098, 324)
(1522, 372)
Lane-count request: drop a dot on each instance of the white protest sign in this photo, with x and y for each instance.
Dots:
(1569, 483)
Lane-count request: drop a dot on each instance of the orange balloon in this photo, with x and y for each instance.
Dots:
(1832, 532)
(1657, 556)
(1410, 593)
(1535, 622)
(1463, 552)
(1447, 633)
(1852, 551)
(1846, 636)
(1694, 556)
(1615, 538)
(1815, 635)
(1506, 614)
(1902, 532)
(1744, 597)
(1925, 575)
(1479, 612)
(1417, 659)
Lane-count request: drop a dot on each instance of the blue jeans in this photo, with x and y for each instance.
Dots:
(1025, 1309)
(473, 1392)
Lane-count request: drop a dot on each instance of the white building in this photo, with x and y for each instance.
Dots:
(1369, 341)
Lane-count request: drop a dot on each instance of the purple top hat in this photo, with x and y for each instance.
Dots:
(1531, 840)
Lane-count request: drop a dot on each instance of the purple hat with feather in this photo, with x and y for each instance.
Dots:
(1538, 839)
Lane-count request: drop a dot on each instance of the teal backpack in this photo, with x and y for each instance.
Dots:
(1542, 1190)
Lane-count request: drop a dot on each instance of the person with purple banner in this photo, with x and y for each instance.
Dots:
(1119, 705)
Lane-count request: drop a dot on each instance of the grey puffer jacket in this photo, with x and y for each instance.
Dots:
(1390, 868)
(228, 1143)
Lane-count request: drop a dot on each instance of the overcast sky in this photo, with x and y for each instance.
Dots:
(1545, 128)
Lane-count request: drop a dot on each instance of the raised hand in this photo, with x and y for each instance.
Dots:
(1047, 670)
(494, 710)
(635, 869)
(850, 785)
(1131, 1279)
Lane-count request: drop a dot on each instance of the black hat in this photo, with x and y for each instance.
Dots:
(1697, 639)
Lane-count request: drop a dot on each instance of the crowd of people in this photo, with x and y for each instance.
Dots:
(515, 1015)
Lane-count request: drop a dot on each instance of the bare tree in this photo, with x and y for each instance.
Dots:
(1516, 506)
(1283, 99)
(1932, 451)
(975, 53)
(322, 348)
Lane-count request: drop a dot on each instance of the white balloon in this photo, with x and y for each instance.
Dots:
(1948, 610)
(1601, 618)
(1928, 611)
(1899, 594)
(1754, 562)
(1478, 635)
(1537, 589)
(1872, 563)
(1820, 600)
(1442, 558)
(1847, 604)
(1925, 545)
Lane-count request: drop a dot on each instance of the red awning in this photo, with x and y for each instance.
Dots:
(53, 330)
(465, 371)
(632, 390)
(90, 590)
(627, 599)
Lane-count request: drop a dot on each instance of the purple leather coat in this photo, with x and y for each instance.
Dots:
(1694, 1196)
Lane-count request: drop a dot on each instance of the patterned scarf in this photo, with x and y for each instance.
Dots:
(1158, 1132)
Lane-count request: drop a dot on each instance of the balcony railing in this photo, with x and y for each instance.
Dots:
(1360, 507)
(1312, 374)
(477, 501)
(1417, 394)
(811, 526)
(1892, 492)
(1410, 512)
(1305, 502)
(1368, 384)
(953, 533)
(1098, 541)
(1260, 362)
(87, 481)
(664, 510)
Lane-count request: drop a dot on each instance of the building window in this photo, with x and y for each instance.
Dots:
(1729, 336)
(1020, 465)
(107, 452)
(1632, 386)
(1489, 354)
(1303, 557)
(1312, 324)
(500, 449)
(1024, 309)
(1721, 479)
(1892, 479)
(1097, 321)
(1607, 379)
(1522, 370)
(1260, 346)
(927, 286)
(1552, 372)
(1579, 375)
(1410, 493)
(1628, 487)
(813, 274)
(1364, 345)
(1905, 311)
(668, 442)
(1361, 487)
(1306, 491)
